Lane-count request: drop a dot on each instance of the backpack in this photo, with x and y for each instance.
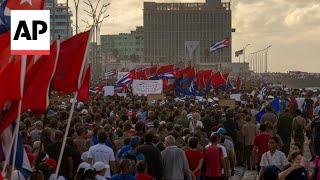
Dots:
(133, 161)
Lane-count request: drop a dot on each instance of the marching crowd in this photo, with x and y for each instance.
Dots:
(126, 138)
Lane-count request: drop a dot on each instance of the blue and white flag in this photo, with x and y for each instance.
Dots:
(110, 73)
(4, 18)
(219, 45)
(22, 162)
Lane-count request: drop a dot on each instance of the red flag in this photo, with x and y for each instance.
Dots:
(25, 4)
(203, 78)
(73, 51)
(10, 81)
(37, 82)
(4, 49)
(188, 72)
(133, 74)
(151, 72)
(141, 75)
(9, 117)
(83, 94)
(218, 80)
(165, 69)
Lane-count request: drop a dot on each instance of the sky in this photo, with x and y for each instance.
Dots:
(292, 27)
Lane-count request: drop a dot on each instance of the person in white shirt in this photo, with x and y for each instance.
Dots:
(195, 122)
(102, 153)
(273, 156)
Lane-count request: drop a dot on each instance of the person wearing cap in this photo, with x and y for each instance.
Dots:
(125, 168)
(213, 159)
(100, 170)
(102, 153)
(133, 155)
(227, 143)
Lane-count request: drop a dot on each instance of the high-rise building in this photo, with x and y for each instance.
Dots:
(125, 46)
(60, 19)
(175, 32)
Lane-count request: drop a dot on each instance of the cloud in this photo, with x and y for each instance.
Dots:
(291, 26)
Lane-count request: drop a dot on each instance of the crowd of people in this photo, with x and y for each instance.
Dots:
(126, 138)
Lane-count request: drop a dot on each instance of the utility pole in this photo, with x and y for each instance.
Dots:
(244, 53)
(267, 49)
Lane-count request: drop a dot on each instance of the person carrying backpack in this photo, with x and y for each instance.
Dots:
(133, 155)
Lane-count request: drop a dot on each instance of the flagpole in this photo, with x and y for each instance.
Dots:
(16, 128)
(66, 134)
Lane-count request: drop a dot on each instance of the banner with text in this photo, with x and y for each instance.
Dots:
(145, 87)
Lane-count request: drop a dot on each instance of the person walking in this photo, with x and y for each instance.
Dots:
(175, 162)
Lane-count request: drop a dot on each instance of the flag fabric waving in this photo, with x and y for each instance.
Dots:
(4, 49)
(10, 81)
(218, 80)
(83, 94)
(37, 82)
(238, 53)
(4, 19)
(72, 56)
(25, 4)
(219, 45)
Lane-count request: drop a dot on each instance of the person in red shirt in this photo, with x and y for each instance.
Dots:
(142, 169)
(195, 157)
(213, 158)
(261, 142)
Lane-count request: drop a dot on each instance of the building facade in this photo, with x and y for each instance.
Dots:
(175, 32)
(124, 46)
(60, 19)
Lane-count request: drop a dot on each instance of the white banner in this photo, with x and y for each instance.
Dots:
(145, 87)
(109, 91)
(121, 74)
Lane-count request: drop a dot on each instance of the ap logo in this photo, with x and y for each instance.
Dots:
(30, 32)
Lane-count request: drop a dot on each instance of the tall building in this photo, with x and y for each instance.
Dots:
(175, 32)
(125, 46)
(60, 19)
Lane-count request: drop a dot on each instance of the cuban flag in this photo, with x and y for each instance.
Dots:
(4, 18)
(219, 45)
(9, 5)
(96, 89)
(110, 73)
(126, 79)
(22, 162)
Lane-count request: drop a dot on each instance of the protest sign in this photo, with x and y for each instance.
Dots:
(227, 103)
(146, 87)
(109, 91)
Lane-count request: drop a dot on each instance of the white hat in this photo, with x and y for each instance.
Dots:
(216, 99)
(84, 156)
(98, 166)
(270, 97)
(85, 166)
(84, 111)
(210, 100)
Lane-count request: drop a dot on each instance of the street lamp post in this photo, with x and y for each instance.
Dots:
(267, 49)
(244, 52)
